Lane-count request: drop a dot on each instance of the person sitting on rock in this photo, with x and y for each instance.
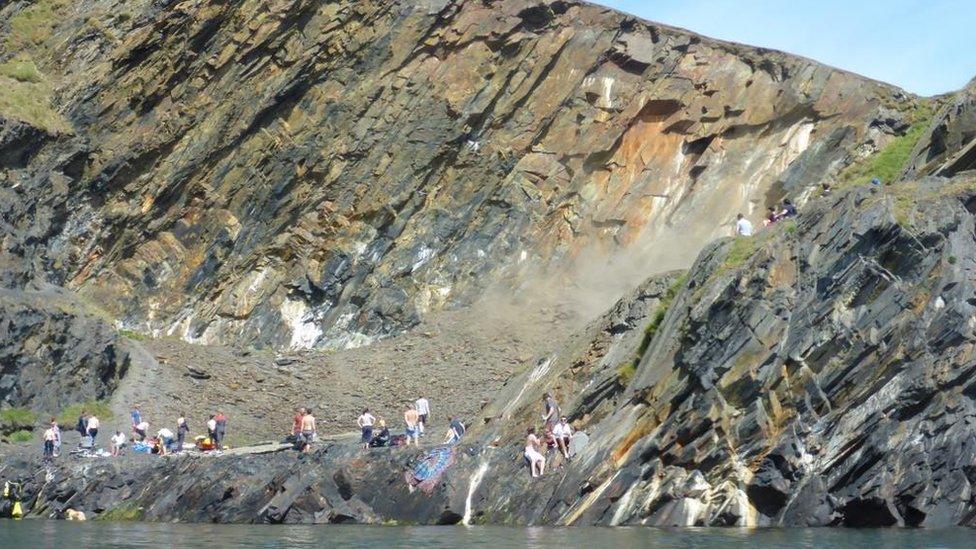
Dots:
(563, 433)
(537, 462)
(742, 226)
(789, 210)
(771, 217)
(383, 437)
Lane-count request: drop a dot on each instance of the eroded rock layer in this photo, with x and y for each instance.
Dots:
(305, 173)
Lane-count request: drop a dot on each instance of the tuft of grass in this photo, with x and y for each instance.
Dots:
(33, 25)
(99, 408)
(888, 163)
(30, 102)
(132, 334)
(790, 227)
(122, 513)
(17, 417)
(740, 251)
(626, 372)
(21, 436)
(22, 70)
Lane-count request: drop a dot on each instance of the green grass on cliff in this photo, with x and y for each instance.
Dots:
(21, 69)
(16, 418)
(30, 102)
(888, 163)
(33, 25)
(21, 436)
(100, 408)
(626, 371)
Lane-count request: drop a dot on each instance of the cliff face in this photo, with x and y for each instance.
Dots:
(304, 173)
(818, 374)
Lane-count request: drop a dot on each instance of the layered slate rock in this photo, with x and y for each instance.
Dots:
(301, 173)
(55, 351)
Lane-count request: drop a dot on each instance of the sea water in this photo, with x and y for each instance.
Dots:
(36, 534)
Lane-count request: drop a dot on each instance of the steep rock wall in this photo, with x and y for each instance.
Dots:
(306, 173)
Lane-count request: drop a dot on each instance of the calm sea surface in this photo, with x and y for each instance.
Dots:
(43, 534)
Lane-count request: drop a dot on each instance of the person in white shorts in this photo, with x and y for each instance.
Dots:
(537, 462)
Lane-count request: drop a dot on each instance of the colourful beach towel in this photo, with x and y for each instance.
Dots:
(427, 473)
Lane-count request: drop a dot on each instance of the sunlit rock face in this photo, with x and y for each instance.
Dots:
(300, 173)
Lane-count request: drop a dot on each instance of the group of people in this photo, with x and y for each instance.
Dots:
(743, 227)
(416, 418)
(558, 434)
(164, 441)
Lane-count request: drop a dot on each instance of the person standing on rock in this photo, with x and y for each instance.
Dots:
(141, 431)
(550, 415)
(49, 443)
(212, 429)
(57, 437)
(365, 423)
(221, 430)
(82, 425)
(742, 226)
(182, 429)
(423, 411)
(118, 443)
(308, 431)
(411, 417)
(93, 426)
(136, 417)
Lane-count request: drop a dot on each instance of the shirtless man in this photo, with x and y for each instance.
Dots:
(411, 417)
(308, 431)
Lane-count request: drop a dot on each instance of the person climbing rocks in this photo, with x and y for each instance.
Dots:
(49, 443)
(789, 210)
(182, 429)
(93, 426)
(365, 422)
(308, 430)
(423, 410)
(455, 430)
(537, 462)
(563, 433)
(550, 416)
(221, 430)
(296, 425)
(742, 226)
(383, 437)
(212, 430)
(411, 417)
(118, 443)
